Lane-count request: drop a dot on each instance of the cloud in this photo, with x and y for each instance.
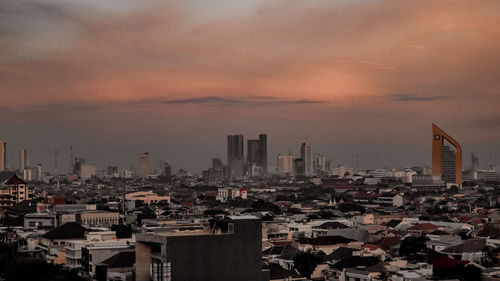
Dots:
(205, 100)
(416, 98)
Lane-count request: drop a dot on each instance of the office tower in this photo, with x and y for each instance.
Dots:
(167, 170)
(307, 157)
(22, 160)
(235, 156)
(253, 152)
(298, 167)
(446, 162)
(328, 166)
(39, 172)
(229, 250)
(257, 152)
(262, 161)
(319, 163)
(285, 164)
(77, 167)
(474, 161)
(144, 168)
(3, 156)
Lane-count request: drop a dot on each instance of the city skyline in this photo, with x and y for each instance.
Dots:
(155, 76)
(156, 163)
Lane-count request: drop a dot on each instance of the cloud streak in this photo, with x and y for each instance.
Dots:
(416, 98)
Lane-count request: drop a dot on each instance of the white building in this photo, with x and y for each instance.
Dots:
(341, 171)
(306, 154)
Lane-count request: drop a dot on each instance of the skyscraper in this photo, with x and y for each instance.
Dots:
(446, 162)
(144, 168)
(253, 147)
(22, 160)
(235, 156)
(262, 161)
(298, 167)
(3, 157)
(285, 164)
(319, 163)
(257, 152)
(307, 156)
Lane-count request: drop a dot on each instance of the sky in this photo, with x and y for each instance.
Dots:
(360, 79)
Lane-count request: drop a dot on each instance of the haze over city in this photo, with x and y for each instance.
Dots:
(249, 140)
(173, 78)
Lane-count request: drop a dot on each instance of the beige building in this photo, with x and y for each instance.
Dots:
(144, 168)
(147, 197)
(14, 191)
(99, 218)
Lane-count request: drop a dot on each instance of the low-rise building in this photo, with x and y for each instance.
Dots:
(231, 250)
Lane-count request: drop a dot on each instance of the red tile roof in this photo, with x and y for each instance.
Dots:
(424, 226)
(445, 262)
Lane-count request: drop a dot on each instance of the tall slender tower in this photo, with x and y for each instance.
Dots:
(263, 151)
(446, 162)
(144, 168)
(307, 157)
(22, 160)
(3, 155)
(235, 156)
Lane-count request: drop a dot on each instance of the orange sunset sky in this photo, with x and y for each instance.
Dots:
(119, 77)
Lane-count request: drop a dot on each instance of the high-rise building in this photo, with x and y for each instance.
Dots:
(235, 156)
(257, 152)
(262, 161)
(167, 170)
(319, 163)
(3, 156)
(285, 164)
(253, 151)
(474, 161)
(144, 168)
(446, 162)
(39, 171)
(298, 167)
(307, 155)
(22, 160)
(328, 166)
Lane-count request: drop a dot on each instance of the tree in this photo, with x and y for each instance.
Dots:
(14, 267)
(351, 207)
(412, 245)
(146, 213)
(306, 262)
(122, 231)
(263, 206)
